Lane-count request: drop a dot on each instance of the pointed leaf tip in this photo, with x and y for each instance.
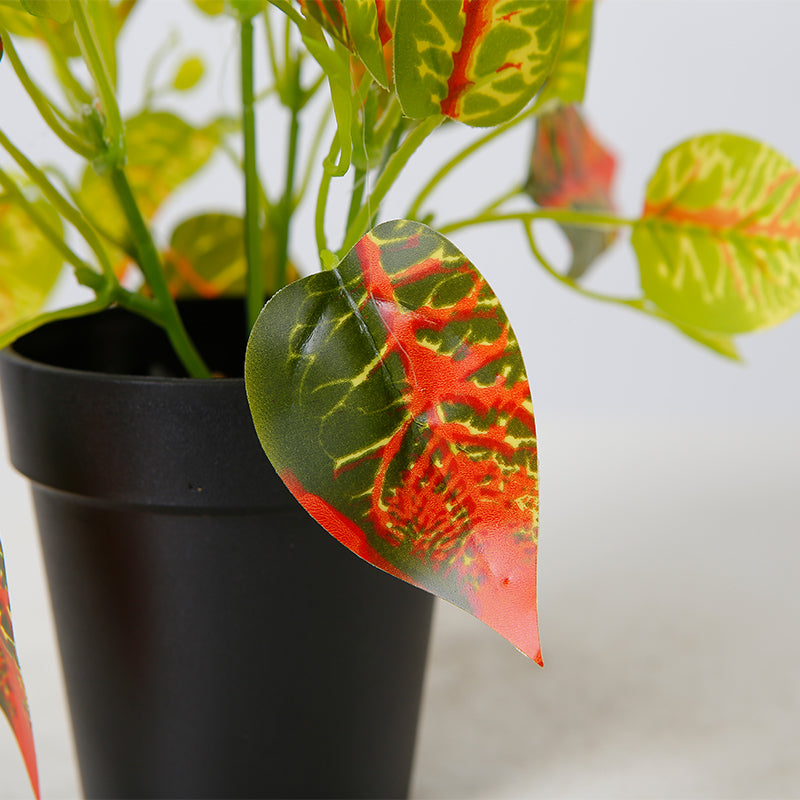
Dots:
(391, 396)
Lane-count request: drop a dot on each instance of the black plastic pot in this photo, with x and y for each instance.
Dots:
(216, 642)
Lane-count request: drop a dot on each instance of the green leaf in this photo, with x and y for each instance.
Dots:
(330, 15)
(13, 701)
(719, 239)
(570, 169)
(567, 82)
(57, 10)
(369, 33)
(479, 61)
(189, 74)
(163, 152)
(206, 257)
(29, 263)
(391, 397)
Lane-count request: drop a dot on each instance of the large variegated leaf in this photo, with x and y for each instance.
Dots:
(206, 258)
(478, 61)
(719, 239)
(163, 151)
(567, 82)
(391, 397)
(29, 262)
(13, 701)
(570, 169)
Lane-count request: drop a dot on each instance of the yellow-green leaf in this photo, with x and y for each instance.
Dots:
(719, 239)
(189, 74)
(364, 24)
(29, 263)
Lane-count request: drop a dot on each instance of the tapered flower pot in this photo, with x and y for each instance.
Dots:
(216, 642)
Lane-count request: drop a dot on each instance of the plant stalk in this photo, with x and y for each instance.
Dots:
(254, 300)
(150, 264)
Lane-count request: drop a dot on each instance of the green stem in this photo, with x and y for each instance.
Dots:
(393, 168)
(322, 198)
(563, 216)
(359, 182)
(46, 108)
(287, 201)
(449, 166)
(114, 132)
(150, 265)
(637, 303)
(312, 155)
(252, 229)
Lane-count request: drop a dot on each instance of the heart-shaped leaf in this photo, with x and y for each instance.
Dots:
(567, 81)
(390, 395)
(13, 701)
(719, 239)
(478, 61)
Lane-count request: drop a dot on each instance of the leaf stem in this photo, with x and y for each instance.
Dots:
(393, 168)
(565, 217)
(150, 265)
(252, 229)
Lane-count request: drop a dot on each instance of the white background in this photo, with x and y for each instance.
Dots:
(669, 553)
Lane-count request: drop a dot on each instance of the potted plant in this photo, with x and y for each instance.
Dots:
(387, 389)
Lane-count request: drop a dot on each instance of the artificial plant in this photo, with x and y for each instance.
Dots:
(394, 366)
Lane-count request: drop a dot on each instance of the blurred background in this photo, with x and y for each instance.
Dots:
(669, 554)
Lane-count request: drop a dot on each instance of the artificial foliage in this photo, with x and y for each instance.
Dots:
(387, 388)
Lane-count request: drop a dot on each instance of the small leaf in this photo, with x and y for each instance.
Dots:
(57, 10)
(719, 239)
(571, 170)
(29, 263)
(567, 81)
(163, 152)
(189, 74)
(206, 257)
(211, 7)
(479, 61)
(13, 701)
(390, 395)
(330, 15)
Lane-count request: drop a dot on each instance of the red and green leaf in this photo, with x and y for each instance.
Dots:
(567, 82)
(719, 239)
(570, 169)
(12, 690)
(391, 396)
(206, 258)
(478, 61)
